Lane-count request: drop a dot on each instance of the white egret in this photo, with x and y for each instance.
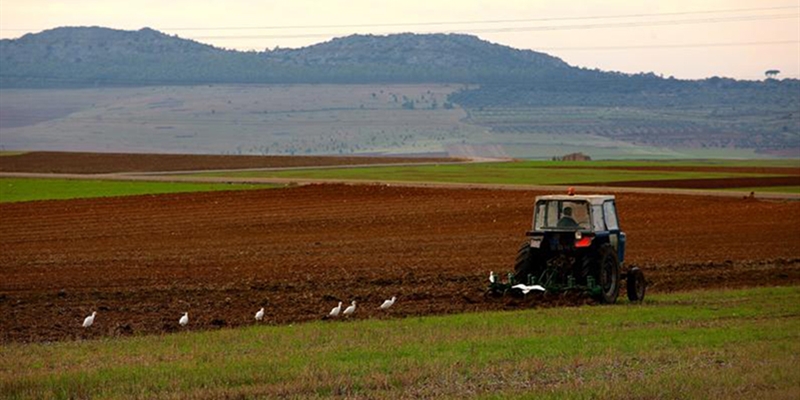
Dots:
(184, 319)
(336, 310)
(350, 310)
(88, 321)
(492, 278)
(260, 314)
(388, 303)
(525, 289)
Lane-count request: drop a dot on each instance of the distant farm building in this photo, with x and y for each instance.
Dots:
(573, 157)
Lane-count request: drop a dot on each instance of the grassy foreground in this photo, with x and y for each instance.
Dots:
(27, 189)
(714, 344)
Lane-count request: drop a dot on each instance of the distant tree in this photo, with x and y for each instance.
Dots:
(772, 73)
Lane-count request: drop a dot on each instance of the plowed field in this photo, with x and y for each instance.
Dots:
(141, 261)
(96, 163)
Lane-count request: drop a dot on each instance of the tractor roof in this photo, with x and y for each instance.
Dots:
(590, 198)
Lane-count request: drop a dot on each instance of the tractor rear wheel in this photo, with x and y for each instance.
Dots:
(526, 264)
(636, 284)
(608, 275)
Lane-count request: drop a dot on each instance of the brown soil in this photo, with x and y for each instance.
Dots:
(718, 183)
(95, 163)
(141, 261)
(790, 177)
(715, 169)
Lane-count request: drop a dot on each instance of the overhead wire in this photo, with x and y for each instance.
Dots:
(670, 46)
(468, 22)
(497, 21)
(527, 28)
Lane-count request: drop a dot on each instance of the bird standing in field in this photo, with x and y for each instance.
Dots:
(260, 314)
(88, 321)
(388, 303)
(492, 278)
(184, 319)
(336, 310)
(350, 310)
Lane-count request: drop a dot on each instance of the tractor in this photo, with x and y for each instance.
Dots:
(576, 244)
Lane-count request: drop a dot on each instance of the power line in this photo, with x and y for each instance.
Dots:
(538, 28)
(468, 22)
(649, 23)
(670, 46)
(499, 21)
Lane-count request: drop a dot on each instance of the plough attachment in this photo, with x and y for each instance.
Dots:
(543, 283)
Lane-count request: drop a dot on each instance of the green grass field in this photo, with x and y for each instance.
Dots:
(520, 173)
(25, 189)
(706, 344)
(515, 173)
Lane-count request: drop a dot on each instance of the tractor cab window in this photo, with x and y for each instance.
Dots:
(611, 215)
(597, 218)
(562, 214)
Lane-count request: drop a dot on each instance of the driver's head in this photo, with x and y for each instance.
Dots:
(568, 211)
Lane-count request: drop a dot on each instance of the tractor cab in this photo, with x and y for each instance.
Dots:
(577, 222)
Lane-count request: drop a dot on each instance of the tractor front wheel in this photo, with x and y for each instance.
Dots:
(608, 275)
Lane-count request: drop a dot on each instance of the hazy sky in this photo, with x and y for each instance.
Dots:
(682, 38)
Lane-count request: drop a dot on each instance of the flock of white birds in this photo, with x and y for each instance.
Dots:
(336, 311)
(184, 320)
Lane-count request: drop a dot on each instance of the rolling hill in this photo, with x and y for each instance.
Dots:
(94, 56)
(513, 101)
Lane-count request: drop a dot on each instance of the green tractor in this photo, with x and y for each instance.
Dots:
(576, 245)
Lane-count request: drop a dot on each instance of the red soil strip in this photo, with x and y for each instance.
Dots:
(713, 183)
(791, 177)
(721, 169)
(142, 261)
(95, 163)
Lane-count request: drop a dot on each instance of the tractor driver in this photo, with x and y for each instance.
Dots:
(566, 220)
